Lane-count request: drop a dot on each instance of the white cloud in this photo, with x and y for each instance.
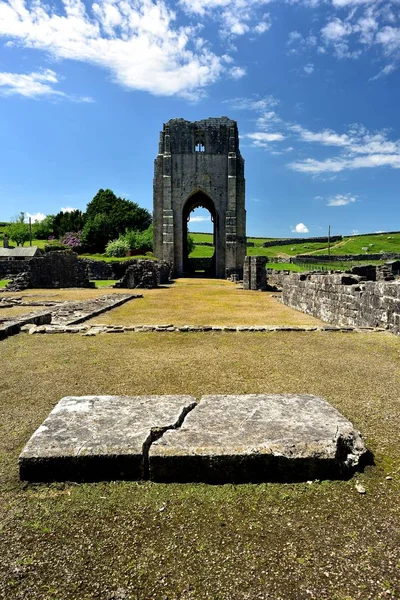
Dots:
(297, 43)
(199, 219)
(336, 30)
(341, 200)
(359, 149)
(35, 217)
(308, 69)
(389, 38)
(255, 103)
(237, 72)
(335, 165)
(34, 85)
(30, 85)
(139, 41)
(387, 70)
(327, 137)
(236, 17)
(262, 139)
(67, 209)
(300, 228)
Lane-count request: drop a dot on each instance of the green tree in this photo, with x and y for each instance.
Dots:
(108, 216)
(190, 244)
(18, 230)
(44, 229)
(68, 221)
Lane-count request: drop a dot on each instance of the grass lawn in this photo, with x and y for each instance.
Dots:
(287, 267)
(202, 252)
(101, 283)
(205, 302)
(143, 541)
(115, 258)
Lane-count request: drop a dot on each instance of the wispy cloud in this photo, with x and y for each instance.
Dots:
(34, 85)
(360, 149)
(341, 200)
(140, 43)
(200, 219)
(235, 17)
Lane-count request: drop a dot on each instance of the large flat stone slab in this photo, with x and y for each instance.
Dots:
(94, 438)
(255, 438)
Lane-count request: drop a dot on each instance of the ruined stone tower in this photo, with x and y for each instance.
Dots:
(199, 164)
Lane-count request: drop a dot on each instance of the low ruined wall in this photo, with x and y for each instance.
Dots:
(52, 270)
(98, 269)
(276, 278)
(294, 241)
(316, 258)
(8, 268)
(345, 299)
(145, 274)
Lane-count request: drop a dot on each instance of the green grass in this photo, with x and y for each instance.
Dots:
(287, 267)
(144, 541)
(201, 237)
(99, 283)
(202, 252)
(115, 258)
(3, 283)
(381, 242)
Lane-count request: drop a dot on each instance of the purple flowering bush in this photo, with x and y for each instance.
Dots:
(73, 240)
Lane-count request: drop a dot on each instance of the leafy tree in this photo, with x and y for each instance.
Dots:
(190, 244)
(44, 229)
(18, 230)
(97, 232)
(108, 216)
(68, 221)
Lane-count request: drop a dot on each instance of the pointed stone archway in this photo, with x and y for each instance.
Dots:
(196, 200)
(199, 164)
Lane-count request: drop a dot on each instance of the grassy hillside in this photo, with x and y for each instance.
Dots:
(375, 243)
(349, 245)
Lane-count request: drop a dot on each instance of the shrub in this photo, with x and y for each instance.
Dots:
(117, 248)
(139, 240)
(54, 245)
(73, 240)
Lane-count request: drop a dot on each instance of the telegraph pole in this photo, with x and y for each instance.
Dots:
(329, 240)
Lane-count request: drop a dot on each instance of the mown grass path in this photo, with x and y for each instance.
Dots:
(143, 541)
(205, 302)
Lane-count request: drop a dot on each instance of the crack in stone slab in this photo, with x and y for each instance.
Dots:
(100, 438)
(222, 439)
(157, 433)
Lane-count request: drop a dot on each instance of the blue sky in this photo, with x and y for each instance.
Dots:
(313, 84)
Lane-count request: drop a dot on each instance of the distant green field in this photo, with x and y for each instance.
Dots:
(202, 252)
(201, 237)
(379, 242)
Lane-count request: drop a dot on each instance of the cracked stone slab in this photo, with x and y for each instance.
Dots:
(256, 438)
(94, 438)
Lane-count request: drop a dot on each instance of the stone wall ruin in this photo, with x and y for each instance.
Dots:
(199, 164)
(344, 299)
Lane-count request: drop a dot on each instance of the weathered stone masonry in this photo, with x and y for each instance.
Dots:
(199, 164)
(345, 299)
